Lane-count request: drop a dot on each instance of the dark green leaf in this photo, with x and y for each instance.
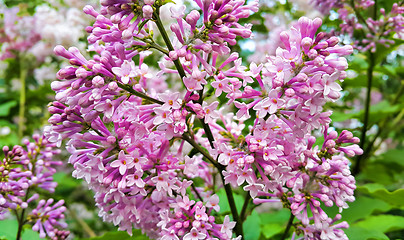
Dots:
(9, 227)
(379, 191)
(120, 236)
(382, 223)
(363, 207)
(5, 108)
(251, 226)
(271, 229)
(393, 156)
(359, 233)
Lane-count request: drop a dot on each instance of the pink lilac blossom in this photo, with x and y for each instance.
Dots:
(39, 33)
(121, 122)
(16, 34)
(22, 170)
(376, 30)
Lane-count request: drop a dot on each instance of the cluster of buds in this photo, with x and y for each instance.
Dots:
(22, 172)
(375, 30)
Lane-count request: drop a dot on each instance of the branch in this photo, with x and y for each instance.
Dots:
(83, 224)
(239, 223)
(21, 111)
(170, 47)
(245, 205)
(187, 138)
(139, 94)
(383, 129)
(290, 222)
(356, 170)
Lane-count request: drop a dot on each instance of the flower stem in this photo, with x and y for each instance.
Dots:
(290, 222)
(201, 150)
(229, 193)
(21, 111)
(227, 187)
(244, 208)
(170, 47)
(383, 128)
(21, 218)
(82, 223)
(139, 94)
(356, 170)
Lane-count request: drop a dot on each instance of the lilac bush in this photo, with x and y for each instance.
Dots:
(156, 153)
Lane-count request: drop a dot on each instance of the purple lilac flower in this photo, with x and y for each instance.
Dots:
(22, 170)
(128, 133)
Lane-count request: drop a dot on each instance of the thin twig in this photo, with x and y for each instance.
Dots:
(82, 223)
(239, 224)
(196, 192)
(139, 94)
(21, 111)
(244, 208)
(356, 170)
(290, 222)
(170, 47)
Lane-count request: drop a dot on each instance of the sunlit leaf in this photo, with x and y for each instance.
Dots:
(394, 198)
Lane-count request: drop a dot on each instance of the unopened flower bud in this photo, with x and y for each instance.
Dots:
(173, 55)
(240, 162)
(289, 92)
(147, 11)
(330, 144)
(193, 17)
(332, 41)
(112, 86)
(98, 81)
(312, 54)
(178, 225)
(306, 43)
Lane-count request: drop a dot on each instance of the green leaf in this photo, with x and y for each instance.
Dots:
(382, 51)
(9, 227)
(385, 174)
(271, 229)
(392, 156)
(278, 217)
(376, 112)
(66, 183)
(224, 204)
(120, 236)
(340, 116)
(364, 207)
(382, 223)
(251, 226)
(378, 191)
(359, 233)
(358, 62)
(5, 108)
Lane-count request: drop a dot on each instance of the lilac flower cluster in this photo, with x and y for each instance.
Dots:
(22, 170)
(377, 29)
(277, 161)
(129, 135)
(37, 34)
(16, 34)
